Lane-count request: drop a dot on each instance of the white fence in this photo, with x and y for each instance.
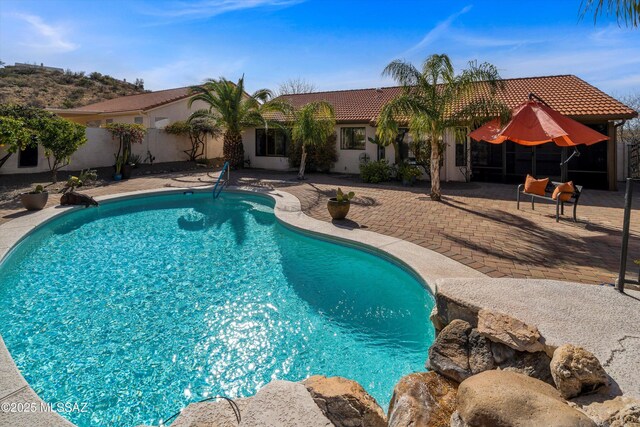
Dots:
(100, 148)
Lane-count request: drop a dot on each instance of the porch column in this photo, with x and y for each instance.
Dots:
(612, 175)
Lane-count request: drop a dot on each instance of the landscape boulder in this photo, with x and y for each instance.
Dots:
(619, 412)
(576, 371)
(535, 365)
(423, 399)
(512, 332)
(501, 398)
(459, 351)
(480, 354)
(449, 353)
(345, 402)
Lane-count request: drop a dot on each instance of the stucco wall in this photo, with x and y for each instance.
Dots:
(174, 111)
(622, 161)
(99, 149)
(349, 160)
(262, 162)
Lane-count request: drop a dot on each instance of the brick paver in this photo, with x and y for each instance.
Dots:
(476, 224)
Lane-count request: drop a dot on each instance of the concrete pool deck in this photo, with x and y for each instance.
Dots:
(538, 301)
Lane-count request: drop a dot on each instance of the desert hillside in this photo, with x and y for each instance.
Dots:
(49, 87)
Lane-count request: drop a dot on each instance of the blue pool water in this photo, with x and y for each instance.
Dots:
(139, 307)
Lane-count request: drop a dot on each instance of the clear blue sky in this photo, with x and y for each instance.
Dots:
(332, 44)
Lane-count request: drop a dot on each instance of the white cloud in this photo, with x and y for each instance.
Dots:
(435, 33)
(208, 8)
(46, 37)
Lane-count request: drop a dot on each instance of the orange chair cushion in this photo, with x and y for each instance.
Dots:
(561, 188)
(535, 186)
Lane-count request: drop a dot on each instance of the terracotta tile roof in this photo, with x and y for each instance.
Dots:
(567, 94)
(143, 101)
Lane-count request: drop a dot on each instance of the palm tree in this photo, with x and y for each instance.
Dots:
(233, 110)
(434, 99)
(627, 11)
(312, 125)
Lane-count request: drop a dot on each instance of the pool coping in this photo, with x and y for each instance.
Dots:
(427, 265)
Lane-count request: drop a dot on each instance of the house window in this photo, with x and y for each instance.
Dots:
(402, 141)
(108, 121)
(271, 142)
(94, 123)
(137, 120)
(160, 122)
(28, 157)
(352, 138)
(462, 146)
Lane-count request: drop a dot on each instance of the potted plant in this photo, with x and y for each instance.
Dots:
(339, 206)
(408, 174)
(117, 176)
(126, 134)
(126, 165)
(36, 199)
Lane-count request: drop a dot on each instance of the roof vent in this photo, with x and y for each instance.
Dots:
(379, 90)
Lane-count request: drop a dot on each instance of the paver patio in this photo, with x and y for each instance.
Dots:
(476, 224)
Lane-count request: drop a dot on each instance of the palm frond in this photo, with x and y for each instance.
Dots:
(480, 111)
(402, 72)
(313, 123)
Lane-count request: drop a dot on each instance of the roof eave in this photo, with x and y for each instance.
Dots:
(68, 111)
(602, 117)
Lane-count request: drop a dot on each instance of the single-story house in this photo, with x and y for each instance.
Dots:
(153, 110)
(598, 166)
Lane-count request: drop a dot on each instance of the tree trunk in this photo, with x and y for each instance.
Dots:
(435, 170)
(4, 159)
(303, 162)
(232, 149)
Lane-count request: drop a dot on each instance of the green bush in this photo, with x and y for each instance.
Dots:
(407, 172)
(374, 172)
(319, 159)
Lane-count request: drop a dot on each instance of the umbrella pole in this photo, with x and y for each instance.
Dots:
(625, 236)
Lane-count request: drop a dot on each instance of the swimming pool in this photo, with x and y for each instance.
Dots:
(142, 306)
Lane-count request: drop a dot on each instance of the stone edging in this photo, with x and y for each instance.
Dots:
(427, 265)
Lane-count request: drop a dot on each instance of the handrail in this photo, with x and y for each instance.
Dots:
(217, 189)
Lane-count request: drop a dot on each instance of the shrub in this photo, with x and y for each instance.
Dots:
(60, 138)
(407, 172)
(374, 172)
(14, 136)
(126, 134)
(197, 130)
(319, 158)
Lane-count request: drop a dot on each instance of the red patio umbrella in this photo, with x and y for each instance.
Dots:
(535, 123)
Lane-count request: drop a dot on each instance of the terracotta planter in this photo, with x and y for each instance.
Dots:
(338, 210)
(34, 201)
